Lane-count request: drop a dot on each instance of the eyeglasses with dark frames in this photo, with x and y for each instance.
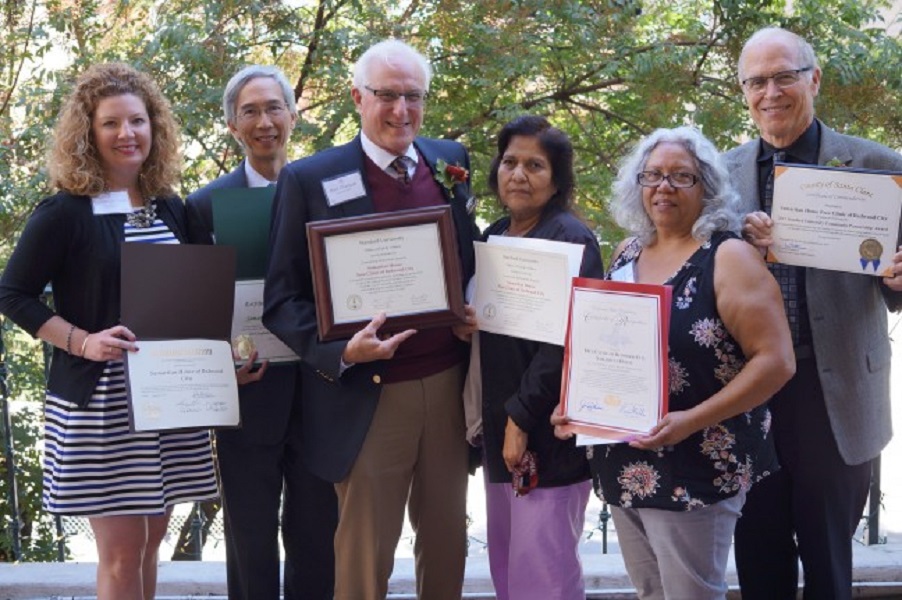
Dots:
(413, 98)
(656, 178)
(783, 80)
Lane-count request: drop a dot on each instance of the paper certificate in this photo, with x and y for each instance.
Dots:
(836, 219)
(522, 289)
(397, 270)
(615, 358)
(248, 332)
(182, 384)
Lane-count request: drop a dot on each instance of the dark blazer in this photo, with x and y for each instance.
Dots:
(847, 312)
(78, 253)
(265, 405)
(337, 408)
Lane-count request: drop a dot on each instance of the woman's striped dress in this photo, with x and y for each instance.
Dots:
(93, 464)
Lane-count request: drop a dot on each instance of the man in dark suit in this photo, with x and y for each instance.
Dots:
(260, 464)
(833, 417)
(383, 416)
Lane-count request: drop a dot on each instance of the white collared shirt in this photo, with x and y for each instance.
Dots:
(383, 158)
(255, 179)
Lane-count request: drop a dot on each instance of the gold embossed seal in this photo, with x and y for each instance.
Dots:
(244, 346)
(870, 249)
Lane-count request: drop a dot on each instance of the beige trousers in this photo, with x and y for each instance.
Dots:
(414, 454)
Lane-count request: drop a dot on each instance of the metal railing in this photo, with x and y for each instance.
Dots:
(9, 454)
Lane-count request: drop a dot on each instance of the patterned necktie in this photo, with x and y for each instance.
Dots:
(788, 276)
(398, 169)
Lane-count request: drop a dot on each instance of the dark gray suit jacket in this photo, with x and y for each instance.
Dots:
(337, 408)
(847, 312)
(265, 405)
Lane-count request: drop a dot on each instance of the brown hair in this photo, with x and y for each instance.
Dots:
(73, 160)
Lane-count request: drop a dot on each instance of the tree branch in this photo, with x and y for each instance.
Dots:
(12, 87)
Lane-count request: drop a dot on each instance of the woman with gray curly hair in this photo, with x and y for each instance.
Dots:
(676, 492)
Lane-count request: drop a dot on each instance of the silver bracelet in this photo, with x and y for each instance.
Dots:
(69, 339)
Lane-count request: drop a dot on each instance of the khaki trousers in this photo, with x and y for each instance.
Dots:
(414, 454)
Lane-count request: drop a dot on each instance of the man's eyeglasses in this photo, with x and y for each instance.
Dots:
(783, 80)
(656, 178)
(391, 96)
(252, 113)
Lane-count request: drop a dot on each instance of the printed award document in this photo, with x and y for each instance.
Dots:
(522, 287)
(835, 218)
(182, 384)
(398, 270)
(248, 332)
(615, 358)
(178, 300)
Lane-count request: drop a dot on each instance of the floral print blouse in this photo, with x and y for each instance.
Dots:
(712, 464)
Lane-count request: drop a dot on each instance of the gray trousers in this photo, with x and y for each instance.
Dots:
(673, 555)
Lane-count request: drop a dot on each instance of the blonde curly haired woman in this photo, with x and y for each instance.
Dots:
(115, 161)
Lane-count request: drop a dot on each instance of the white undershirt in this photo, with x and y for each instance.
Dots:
(255, 179)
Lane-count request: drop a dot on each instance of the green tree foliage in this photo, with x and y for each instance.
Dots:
(605, 71)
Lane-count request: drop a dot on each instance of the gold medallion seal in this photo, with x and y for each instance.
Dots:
(870, 249)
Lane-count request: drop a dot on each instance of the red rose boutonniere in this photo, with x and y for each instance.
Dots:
(450, 175)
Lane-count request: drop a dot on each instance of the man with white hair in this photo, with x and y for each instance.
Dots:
(383, 416)
(833, 417)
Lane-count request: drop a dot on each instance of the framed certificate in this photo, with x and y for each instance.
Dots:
(404, 263)
(615, 379)
(836, 218)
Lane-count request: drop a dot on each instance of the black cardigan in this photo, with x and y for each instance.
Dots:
(521, 379)
(78, 253)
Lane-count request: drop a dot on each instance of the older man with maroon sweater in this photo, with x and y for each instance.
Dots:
(382, 415)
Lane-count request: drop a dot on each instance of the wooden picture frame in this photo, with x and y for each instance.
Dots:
(385, 262)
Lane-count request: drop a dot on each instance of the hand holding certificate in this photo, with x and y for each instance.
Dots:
(837, 219)
(615, 358)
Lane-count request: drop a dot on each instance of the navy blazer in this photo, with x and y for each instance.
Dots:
(847, 312)
(337, 408)
(265, 405)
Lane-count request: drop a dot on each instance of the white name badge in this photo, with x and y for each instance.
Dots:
(111, 203)
(343, 188)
